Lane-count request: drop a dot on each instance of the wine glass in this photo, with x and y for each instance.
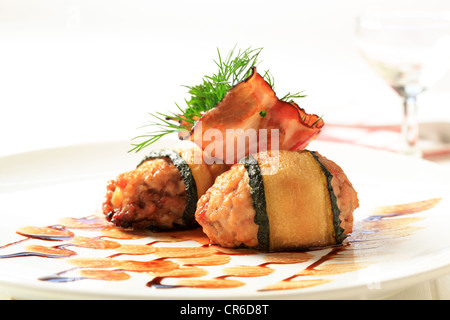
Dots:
(411, 51)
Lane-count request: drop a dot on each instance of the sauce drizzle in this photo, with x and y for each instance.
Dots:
(186, 256)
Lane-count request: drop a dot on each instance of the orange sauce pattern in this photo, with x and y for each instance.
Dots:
(185, 256)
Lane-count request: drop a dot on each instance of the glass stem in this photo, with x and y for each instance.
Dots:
(410, 126)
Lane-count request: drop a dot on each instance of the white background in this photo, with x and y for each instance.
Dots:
(87, 71)
(91, 70)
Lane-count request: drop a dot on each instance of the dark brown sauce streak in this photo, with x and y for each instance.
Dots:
(14, 243)
(156, 283)
(59, 279)
(384, 213)
(403, 209)
(88, 220)
(50, 237)
(56, 277)
(42, 254)
(329, 256)
(41, 237)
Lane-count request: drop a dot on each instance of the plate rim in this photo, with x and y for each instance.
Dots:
(386, 286)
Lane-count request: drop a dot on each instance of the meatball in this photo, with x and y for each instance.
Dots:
(227, 214)
(152, 195)
(226, 211)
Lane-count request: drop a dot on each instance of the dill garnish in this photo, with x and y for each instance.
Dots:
(232, 69)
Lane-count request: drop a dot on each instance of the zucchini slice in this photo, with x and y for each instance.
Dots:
(189, 182)
(339, 232)
(258, 200)
(295, 206)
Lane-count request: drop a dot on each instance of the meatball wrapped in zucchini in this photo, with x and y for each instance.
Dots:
(162, 192)
(279, 201)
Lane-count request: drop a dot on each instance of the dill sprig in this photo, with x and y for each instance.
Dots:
(292, 96)
(232, 69)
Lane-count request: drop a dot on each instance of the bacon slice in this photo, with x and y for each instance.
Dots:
(231, 130)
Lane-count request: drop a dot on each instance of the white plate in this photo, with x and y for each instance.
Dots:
(383, 257)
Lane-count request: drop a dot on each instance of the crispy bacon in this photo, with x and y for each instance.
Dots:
(248, 107)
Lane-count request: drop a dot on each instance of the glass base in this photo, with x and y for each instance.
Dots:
(413, 151)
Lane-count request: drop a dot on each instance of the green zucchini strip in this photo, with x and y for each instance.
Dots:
(259, 201)
(339, 234)
(189, 182)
